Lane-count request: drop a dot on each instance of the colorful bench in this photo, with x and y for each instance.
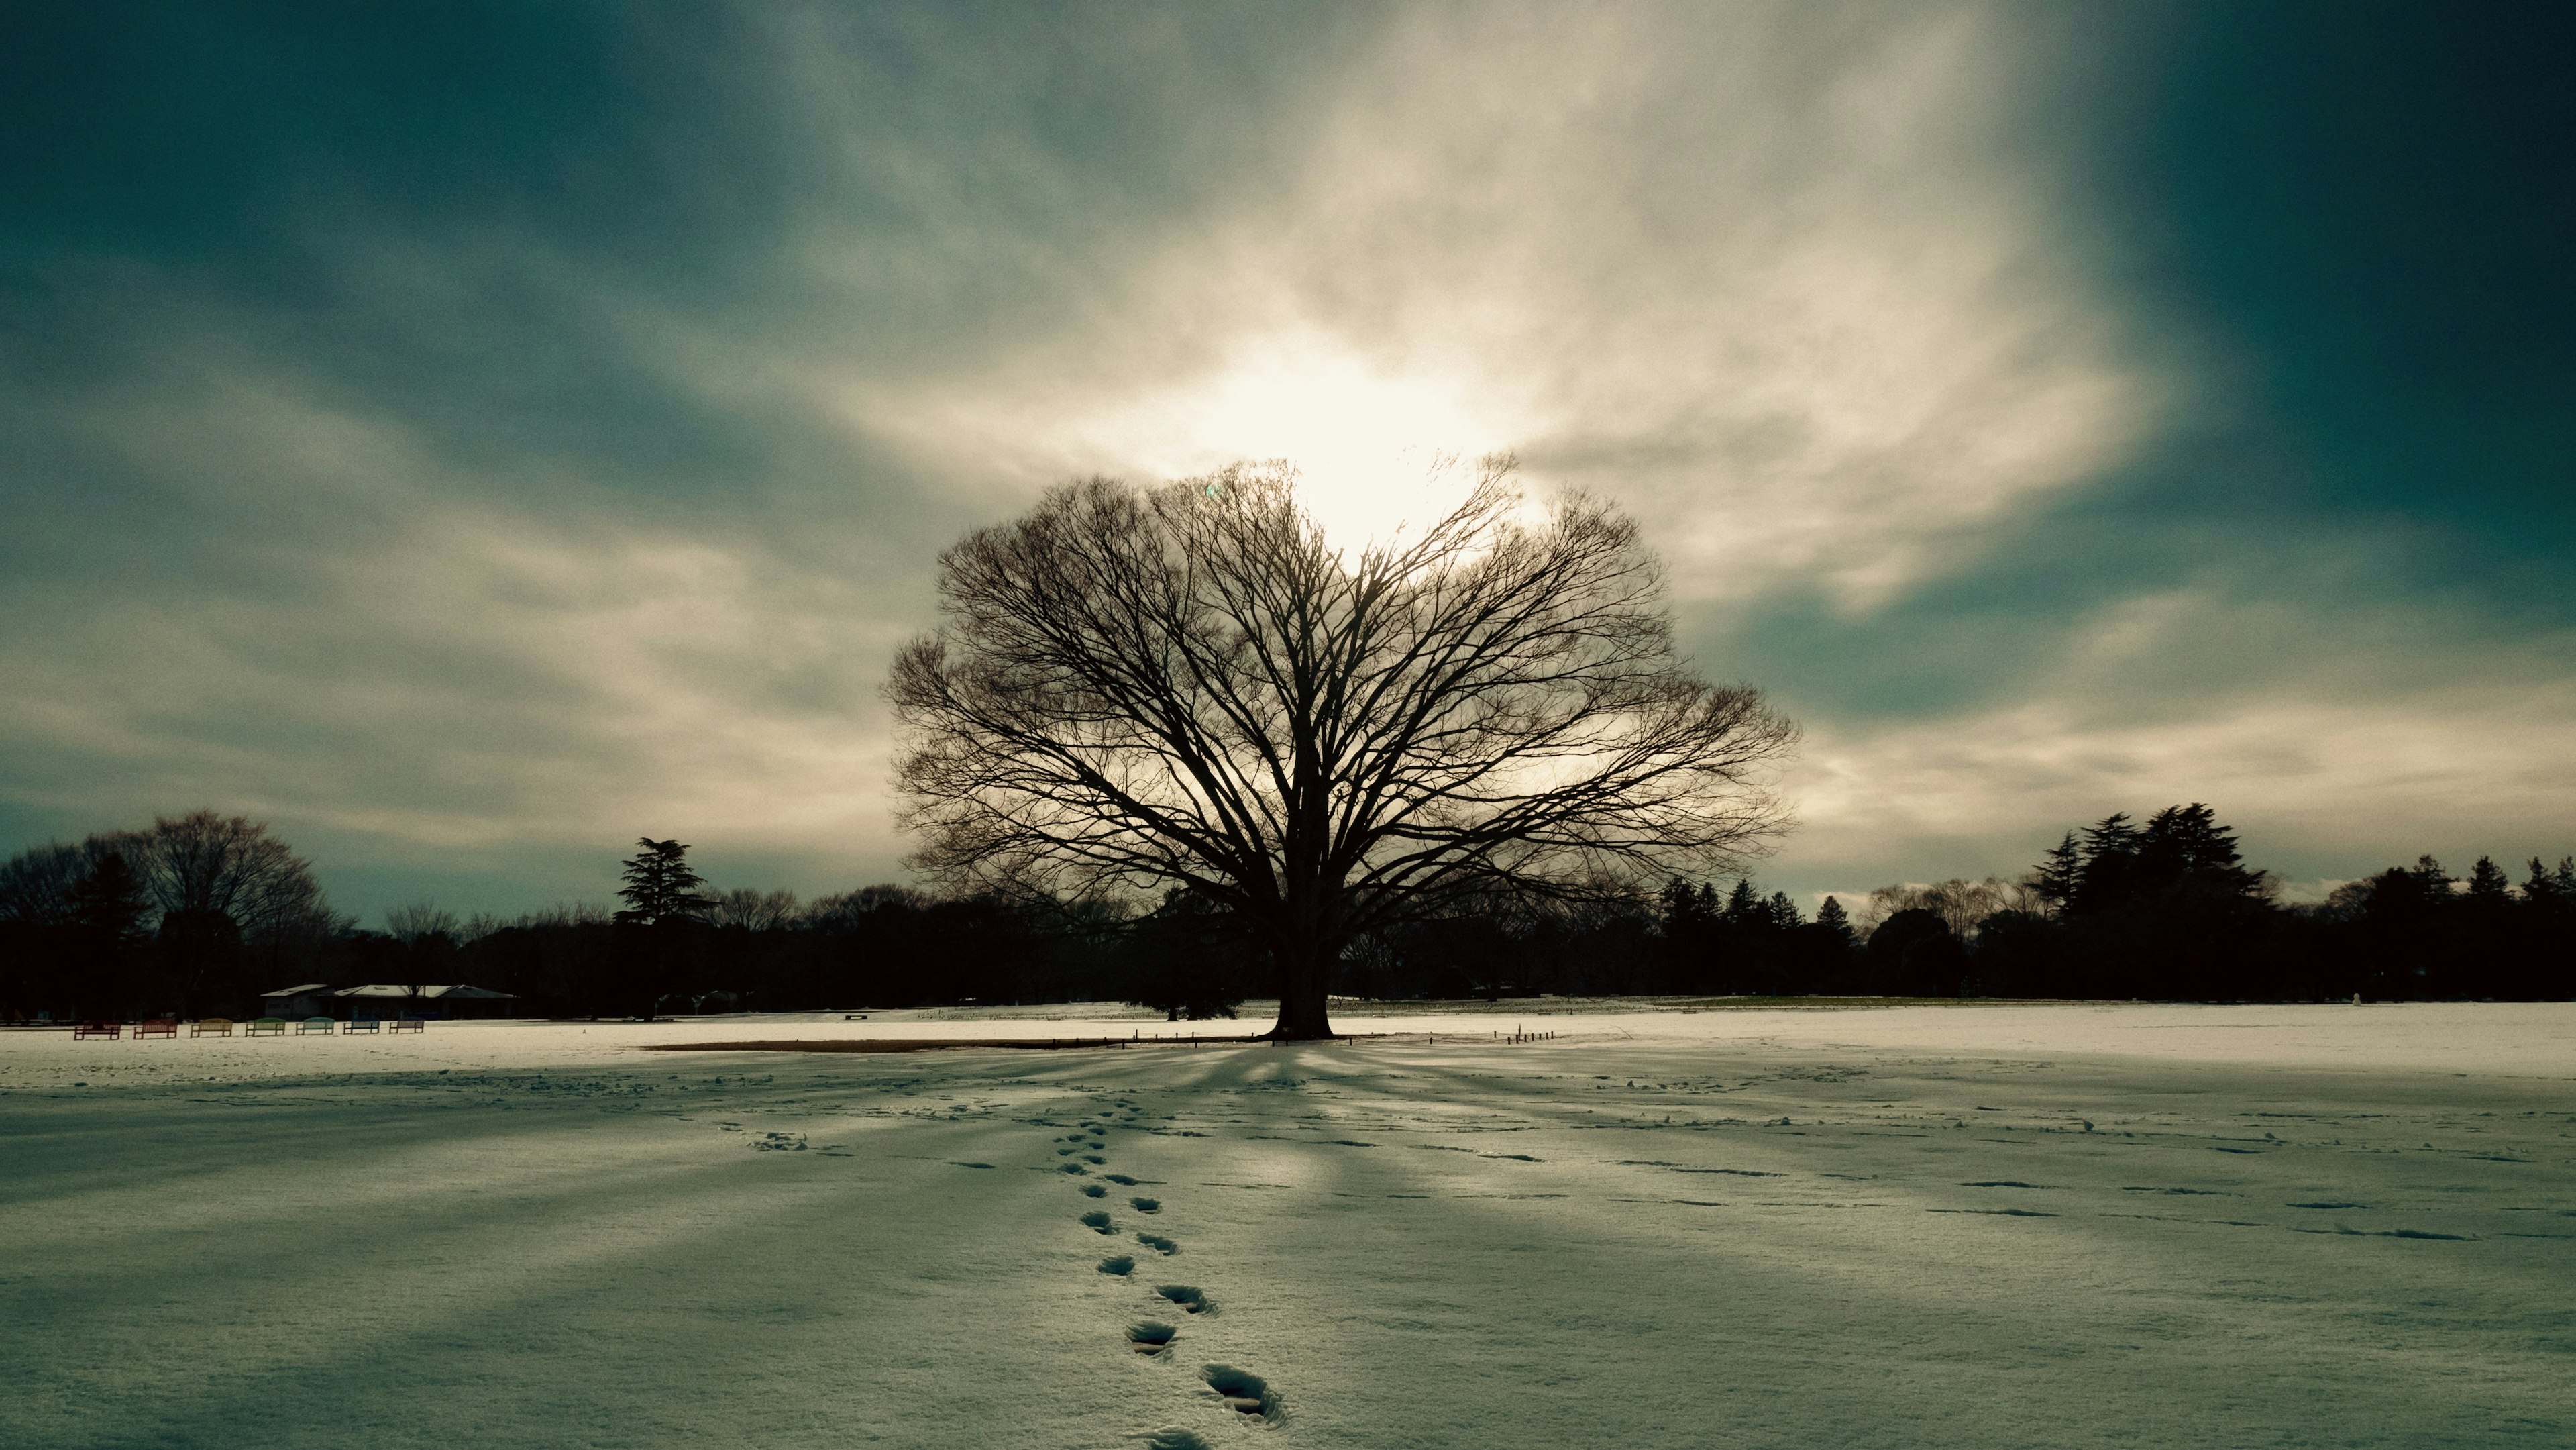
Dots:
(409, 1024)
(99, 1029)
(211, 1027)
(264, 1027)
(155, 1027)
(322, 1025)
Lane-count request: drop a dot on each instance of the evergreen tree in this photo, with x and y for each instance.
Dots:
(2487, 886)
(660, 886)
(2059, 873)
(1683, 908)
(2110, 848)
(1833, 918)
(2542, 889)
(1743, 905)
(2431, 881)
(2112, 835)
(1784, 912)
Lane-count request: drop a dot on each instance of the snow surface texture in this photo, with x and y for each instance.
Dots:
(1954, 1226)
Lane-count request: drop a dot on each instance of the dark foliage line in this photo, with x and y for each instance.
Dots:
(201, 914)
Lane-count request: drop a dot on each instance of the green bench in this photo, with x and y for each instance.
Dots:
(264, 1027)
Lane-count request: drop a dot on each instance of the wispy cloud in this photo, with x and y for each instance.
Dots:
(1778, 282)
(508, 517)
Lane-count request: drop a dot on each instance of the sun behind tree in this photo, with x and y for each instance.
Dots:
(1188, 685)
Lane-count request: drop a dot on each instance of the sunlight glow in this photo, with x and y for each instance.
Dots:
(1368, 442)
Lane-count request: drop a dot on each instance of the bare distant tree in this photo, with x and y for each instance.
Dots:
(752, 909)
(41, 885)
(1189, 685)
(230, 866)
(222, 885)
(423, 919)
(1962, 905)
(848, 908)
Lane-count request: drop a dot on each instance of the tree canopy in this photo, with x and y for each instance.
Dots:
(1189, 685)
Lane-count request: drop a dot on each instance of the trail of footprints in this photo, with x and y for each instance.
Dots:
(1245, 1393)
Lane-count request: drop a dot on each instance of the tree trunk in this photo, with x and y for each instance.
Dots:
(1305, 964)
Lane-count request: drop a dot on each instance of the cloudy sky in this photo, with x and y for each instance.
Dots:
(472, 439)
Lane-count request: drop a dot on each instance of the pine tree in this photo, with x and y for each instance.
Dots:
(2487, 885)
(2431, 880)
(1743, 906)
(2549, 891)
(2186, 845)
(2541, 889)
(1833, 918)
(2110, 849)
(660, 886)
(2110, 836)
(1784, 912)
(2059, 873)
(1681, 908)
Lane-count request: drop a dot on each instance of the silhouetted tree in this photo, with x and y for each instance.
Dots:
(660, 886)
(2059, 875)
(232, 902)
(110, 908)
(1189, 686)
(1912, 953)
(1189, 958)
(1834, 919)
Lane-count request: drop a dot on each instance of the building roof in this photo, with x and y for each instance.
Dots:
(299, 991)
(457, 991)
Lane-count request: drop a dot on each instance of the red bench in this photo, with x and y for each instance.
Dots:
(156, 1027)
(405, 1024)
(212, 1027)
(99, 1029)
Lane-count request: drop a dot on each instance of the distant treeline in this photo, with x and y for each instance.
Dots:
(200, 914)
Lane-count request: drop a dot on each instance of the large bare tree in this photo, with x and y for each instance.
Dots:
(1136, 688)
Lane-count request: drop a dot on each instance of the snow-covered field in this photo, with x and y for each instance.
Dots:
(1914, 1226)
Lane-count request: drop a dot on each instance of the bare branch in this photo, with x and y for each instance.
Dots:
(1138, 687)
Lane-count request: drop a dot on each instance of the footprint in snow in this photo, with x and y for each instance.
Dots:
(1098, 1223)
(1159, 1244)
(1093, 1158)
(1094, 1190)
(1121, 1179)
(1147, 1205)
(1173, 1440)
(1192, 1300)
(1244, 1393)
(1150, 1337)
